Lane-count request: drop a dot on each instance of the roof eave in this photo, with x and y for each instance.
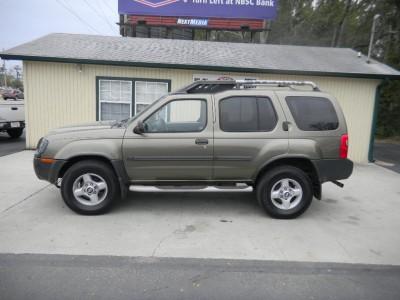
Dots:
(194, 67)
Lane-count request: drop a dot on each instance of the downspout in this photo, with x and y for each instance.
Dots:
(374, 120)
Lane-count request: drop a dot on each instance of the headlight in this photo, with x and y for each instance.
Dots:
(42, 145)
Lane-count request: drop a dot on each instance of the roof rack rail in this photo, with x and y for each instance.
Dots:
(279, 83)
(213, 87)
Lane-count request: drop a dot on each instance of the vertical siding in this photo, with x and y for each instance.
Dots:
(57, 94)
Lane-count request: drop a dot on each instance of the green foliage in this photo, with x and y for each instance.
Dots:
(347, 23)
(12, 81)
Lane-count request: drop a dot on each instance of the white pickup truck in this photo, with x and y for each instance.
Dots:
(12, 117)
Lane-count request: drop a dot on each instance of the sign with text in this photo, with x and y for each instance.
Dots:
(237, 9)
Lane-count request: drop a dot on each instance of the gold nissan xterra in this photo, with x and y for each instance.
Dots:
(281, 141)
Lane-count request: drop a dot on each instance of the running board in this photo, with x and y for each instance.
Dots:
(179, 189)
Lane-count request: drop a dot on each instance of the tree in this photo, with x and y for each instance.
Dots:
(347, 23)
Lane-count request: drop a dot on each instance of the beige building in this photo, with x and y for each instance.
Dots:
(79, 78)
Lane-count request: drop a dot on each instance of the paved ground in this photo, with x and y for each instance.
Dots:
(356, 225)
(387, 155)
(9, 146)
(98, 277)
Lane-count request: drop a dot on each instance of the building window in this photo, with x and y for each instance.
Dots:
(247, 114)
(121, 98)
(115, 99)
(147, 92)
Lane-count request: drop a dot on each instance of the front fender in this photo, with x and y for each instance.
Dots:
(107, 148)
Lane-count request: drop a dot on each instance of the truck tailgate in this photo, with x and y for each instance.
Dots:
(12, 111)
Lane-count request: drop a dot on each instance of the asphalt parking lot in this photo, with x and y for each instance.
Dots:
(387, 155)
(356, 226)
(9, 146)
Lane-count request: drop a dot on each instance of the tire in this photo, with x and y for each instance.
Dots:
(15, 133)
(84, 175)
(288, 203)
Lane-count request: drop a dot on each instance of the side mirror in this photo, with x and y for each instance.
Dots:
(139, 128)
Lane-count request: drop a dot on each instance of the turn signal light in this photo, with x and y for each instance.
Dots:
(344, 146)
(47, 160)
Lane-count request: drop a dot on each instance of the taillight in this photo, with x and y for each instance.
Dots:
(344, 146)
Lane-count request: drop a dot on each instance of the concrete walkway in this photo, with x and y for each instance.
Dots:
(357, 224)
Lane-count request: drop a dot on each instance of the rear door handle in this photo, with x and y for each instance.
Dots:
(14, 108)
(201, 141)
(285, 125)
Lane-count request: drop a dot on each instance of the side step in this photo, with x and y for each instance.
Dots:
(196, 189)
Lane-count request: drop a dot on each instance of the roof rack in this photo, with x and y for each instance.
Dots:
(279, 83)
(213, 87)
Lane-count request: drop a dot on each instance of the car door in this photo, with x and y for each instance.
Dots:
(248, 133)
(177, 144)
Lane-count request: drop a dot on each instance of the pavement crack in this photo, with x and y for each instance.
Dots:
(23, 200)
(159, 244)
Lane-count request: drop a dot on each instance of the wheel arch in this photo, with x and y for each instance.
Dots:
(303, 163)
(116, 165)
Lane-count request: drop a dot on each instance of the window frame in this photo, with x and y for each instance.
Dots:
(179, 99)
(112, 102)
(243, 96)
(133, 83)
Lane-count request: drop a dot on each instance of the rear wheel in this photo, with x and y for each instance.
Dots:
(90, 187)
(15, 133)
(285, 192)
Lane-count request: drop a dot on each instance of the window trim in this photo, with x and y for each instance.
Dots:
(133, 81)
(180, 99)
(242, 96)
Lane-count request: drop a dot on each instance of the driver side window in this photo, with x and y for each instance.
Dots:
(178, 116)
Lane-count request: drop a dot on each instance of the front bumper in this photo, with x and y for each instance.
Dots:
(333, 169)
(47, 171)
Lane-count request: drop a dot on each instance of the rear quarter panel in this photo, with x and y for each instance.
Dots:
(313, 144)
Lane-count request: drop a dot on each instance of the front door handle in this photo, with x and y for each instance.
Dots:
(201, 141)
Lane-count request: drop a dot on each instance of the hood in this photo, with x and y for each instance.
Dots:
(84, 127)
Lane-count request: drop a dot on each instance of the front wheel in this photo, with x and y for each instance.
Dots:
(15, 133)
(285, 192)
(90, 187)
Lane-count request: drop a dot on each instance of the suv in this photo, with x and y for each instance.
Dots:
(284, 142)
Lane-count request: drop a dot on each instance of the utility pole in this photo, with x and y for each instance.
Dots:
(4, 73)
(371, 40)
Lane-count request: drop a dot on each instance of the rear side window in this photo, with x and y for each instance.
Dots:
(247, 114)
(313, 113)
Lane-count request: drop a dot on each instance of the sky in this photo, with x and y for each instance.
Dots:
(24, 20)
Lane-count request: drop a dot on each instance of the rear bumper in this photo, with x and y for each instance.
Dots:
(333, 169)
(46, 171)
(7, 125)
